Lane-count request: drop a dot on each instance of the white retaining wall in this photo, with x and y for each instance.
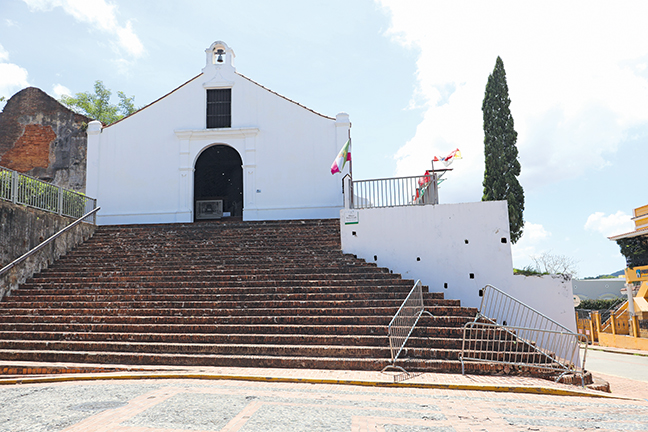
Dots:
(453, 248)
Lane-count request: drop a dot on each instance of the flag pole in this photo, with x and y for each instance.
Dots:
(350, 160)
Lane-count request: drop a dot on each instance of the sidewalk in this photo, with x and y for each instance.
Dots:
(511, 384)
(201, 405)
(618, 350)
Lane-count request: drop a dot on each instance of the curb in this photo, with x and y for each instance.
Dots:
(470, 387)
(615, 351)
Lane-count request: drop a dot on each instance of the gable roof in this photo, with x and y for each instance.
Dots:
(284, 97)
(239, 74)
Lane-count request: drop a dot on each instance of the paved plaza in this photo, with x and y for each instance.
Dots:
(302, 400)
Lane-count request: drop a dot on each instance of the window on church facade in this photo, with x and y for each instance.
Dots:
(219, 108)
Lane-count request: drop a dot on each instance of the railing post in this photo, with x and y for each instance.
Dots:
(634, 323)
(435, 189)
(613, 323)
(60, 200)
(347, 184)
(592, 327)
(14, 187)
(597, 321)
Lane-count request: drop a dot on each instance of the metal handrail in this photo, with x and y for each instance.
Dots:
(26, 255)
(394, 192)
(617, 311)
(20, 188)
(529, 326)
(402, 325)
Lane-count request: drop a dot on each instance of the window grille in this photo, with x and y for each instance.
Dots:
(219, 108)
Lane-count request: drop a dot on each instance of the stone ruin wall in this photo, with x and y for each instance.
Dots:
(42, 138)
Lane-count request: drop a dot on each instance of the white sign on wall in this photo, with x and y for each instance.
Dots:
(350, 217)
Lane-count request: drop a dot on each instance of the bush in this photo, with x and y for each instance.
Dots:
(529, 271)
(600, 304)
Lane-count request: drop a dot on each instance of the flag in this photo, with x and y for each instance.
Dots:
(427, 178)
(342, 158)
(447, 160)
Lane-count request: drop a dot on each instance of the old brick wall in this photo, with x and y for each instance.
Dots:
(21, 229)
(41, 137)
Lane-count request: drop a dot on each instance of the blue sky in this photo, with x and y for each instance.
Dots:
(411, 75)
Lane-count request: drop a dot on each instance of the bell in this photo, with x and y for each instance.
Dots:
(220, 56)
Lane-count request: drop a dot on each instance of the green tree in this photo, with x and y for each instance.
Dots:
(502, 164)
(97, 105)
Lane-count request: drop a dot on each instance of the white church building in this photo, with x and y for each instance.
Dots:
(218, 145)
(222, 145)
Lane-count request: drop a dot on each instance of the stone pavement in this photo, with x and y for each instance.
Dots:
(245, 399)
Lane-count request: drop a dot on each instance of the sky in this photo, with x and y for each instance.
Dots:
(410, 73)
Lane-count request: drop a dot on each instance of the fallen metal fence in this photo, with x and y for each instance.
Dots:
(20, 188)
(402, 325)
(508, 331)
(499, 307)
(512, 345)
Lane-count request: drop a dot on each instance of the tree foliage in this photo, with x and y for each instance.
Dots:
(500, 151)
(635, 250)
(97, 105)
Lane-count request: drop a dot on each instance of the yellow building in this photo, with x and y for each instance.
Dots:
(637, 276)
(628, 325)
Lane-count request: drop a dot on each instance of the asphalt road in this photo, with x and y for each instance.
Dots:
(629, 366)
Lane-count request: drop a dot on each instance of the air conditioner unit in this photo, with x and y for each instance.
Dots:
(209, 209)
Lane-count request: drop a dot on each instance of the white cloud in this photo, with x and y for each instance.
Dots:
(12, 76)
(617, 223)
(60, 90)
(535, 232)
(99, 14)
(530, 244)
(4, 55)
(575, 80)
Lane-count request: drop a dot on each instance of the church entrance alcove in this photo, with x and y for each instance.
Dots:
(218, 184)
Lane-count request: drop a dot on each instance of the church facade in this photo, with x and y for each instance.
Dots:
(219, 145)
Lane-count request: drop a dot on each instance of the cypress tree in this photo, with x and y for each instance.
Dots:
(501, 154)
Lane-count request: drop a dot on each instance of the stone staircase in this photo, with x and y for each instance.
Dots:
(263, 294)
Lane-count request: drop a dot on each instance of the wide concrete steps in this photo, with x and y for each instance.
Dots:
(97, 296)
(187, 308)
(241, 349)
(294, 362)
(37, 327)
(314, 321)
(265, 294)
(231, 284)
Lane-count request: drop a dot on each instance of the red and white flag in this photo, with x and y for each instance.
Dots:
(447, 160)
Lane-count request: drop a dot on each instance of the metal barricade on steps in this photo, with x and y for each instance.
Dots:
(402, 325)
(509, 332)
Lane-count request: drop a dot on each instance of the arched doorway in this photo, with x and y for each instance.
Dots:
(218, 183)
